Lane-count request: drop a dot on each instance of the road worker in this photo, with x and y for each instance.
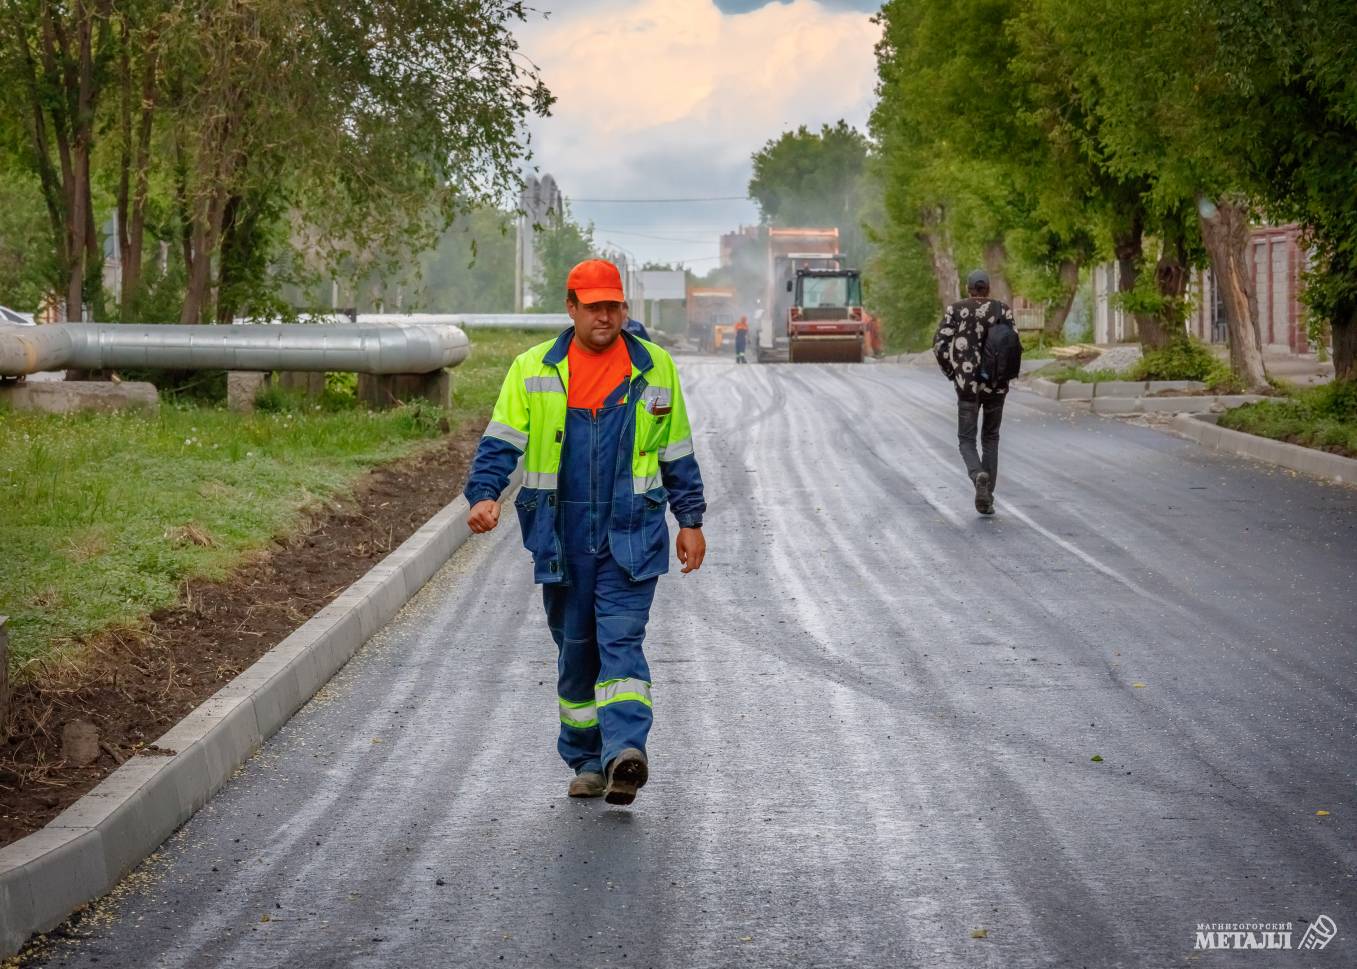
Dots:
(634, 327)
(875, 346)
(598, 418)
(741, 339)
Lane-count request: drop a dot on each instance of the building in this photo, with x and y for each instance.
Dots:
(1279, 260)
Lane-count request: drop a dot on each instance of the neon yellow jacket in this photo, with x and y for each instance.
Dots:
(529, 422)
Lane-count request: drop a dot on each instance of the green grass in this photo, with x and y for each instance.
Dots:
(98, 508)
(1322, 417)
(1061, 374)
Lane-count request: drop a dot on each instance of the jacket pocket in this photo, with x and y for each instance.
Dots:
(651, 432)
(537, 520)
(653, 536)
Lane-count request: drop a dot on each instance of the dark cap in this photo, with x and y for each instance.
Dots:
(978, 277)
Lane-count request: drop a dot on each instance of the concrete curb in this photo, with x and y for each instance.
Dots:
(1170, 405)
(1115, 389)
(1321, 464)
(86, 850)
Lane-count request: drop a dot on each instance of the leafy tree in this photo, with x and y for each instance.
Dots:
(560, 246)
(53, 73)
(472, 268)
(270, 139)
(1153, 76)
(962, 165)
(1290, 68)
(807, 178)
(26, 270)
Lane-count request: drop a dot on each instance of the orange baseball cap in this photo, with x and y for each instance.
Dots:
(596, 281)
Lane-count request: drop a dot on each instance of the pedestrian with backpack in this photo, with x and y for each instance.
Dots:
(978, 350)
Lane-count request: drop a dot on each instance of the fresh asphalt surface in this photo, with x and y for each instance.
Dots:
(876, 714)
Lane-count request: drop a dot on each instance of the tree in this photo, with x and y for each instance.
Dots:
(1153, 76)
(370, 125)
(472, 268)
(560, 246)
(806, 178)
(55, 68)
(26, 271)
(1288, 68)
(963, 164)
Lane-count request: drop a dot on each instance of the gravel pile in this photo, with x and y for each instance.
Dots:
(1119, 358)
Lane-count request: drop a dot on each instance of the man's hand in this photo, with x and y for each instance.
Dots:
(484, 516)
(691, 547)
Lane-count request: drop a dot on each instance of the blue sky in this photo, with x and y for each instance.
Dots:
(669, 98)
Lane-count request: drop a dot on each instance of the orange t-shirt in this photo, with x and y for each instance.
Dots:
(593, 376)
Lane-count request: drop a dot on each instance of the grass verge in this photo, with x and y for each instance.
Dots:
(1061, 374)
(106, 515)
(1323, 417)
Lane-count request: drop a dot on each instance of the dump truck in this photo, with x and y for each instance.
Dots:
(825, 321)
(709, 309)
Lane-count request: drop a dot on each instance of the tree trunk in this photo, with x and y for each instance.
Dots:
(199, 272)
(1128, 245)
(228, 269)
(996, 264)
(136, 226)
(124, 168)
(1226, 236)
(1170, 279)
(134, 179)
(1054, 325)
(934, 235)
(1343, 329)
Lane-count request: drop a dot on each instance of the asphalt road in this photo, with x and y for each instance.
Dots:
(877, 718)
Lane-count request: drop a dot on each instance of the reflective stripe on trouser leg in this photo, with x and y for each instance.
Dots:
(580, 714)
(622, 690)
(570, 617)
(615, 691)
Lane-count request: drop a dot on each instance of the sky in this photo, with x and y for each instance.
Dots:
(668, 99)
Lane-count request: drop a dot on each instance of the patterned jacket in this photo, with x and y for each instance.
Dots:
(961, 337)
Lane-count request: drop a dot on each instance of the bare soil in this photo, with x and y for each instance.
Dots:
(134, 684)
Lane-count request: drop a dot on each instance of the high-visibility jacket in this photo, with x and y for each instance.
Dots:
(655, 457)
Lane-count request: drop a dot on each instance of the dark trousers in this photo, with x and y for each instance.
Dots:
(969, 415)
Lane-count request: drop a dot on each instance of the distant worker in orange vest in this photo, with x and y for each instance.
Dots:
(741, 338)
(874, 345)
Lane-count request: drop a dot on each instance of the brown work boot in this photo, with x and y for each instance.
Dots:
(984, 494)
(587, 784)
(627, 774)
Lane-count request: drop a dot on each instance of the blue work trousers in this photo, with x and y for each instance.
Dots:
(598, 615)
(603, 681)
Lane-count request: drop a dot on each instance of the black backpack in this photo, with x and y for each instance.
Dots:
(1001, 356)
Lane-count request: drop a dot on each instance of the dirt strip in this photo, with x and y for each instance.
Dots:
(134, 684)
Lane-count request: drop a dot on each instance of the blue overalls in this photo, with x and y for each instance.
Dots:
(598, 615)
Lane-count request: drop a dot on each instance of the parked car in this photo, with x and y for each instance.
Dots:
(8, 315)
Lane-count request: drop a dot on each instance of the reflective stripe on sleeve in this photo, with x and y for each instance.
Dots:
(544, 385)
(616, 691)
(507, 434)
(676, 450)
(640, 486)
(580, 714)
(539, 479)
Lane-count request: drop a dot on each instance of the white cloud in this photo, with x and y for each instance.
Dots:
(666, 98)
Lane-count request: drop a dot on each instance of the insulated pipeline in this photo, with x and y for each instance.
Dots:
(355, 348)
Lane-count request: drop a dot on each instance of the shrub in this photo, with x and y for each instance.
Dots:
(1183, 360)
(1323, 417)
